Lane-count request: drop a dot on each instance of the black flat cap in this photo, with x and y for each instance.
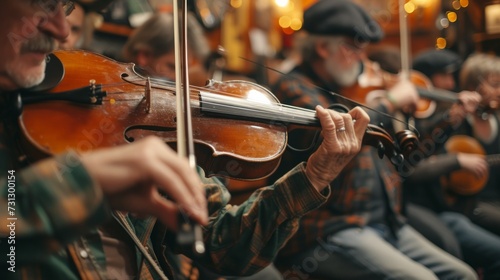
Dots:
(341, 17)
(437, 61)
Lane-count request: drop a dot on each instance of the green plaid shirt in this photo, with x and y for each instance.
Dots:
(357, 193)
(58, 208)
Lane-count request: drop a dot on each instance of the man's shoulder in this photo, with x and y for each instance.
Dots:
(296, 82)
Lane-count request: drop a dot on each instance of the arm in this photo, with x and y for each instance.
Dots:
(431, 168)
(61, 198)
(244, 239)
(53, 202)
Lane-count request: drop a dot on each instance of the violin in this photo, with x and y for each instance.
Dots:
(240, 129)
(374, 81)
(464, 182)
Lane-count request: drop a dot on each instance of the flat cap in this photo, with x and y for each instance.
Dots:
(437, 61)
(341, 17)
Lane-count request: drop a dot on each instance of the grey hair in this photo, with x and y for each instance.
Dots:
(476, 68)
(309, 45)
(156, 35)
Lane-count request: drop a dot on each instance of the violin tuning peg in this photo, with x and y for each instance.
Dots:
(398, 160)
(381, 150)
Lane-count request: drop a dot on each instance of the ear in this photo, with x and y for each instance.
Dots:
(322, 48)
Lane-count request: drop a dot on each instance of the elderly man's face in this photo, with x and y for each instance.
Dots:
(76, 22)
(344, 62)
(30, 30)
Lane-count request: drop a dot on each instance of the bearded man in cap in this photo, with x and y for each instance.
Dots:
(360, 233)
(56, 214)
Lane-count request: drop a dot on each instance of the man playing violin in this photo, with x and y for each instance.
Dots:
(63, 205)
(360, 233)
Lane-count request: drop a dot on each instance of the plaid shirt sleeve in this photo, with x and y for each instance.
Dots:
(352, 192)
(47, 205)
(244, 239)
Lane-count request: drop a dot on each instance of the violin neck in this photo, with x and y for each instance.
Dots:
(237, 108)
(493, 160)
(438, 95)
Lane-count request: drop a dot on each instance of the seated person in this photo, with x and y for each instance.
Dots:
(105, 213)
(360, 233)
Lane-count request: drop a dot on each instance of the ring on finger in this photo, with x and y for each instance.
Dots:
(342, 129)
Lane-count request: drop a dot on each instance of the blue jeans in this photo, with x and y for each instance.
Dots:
(480, 247)
(364, 253)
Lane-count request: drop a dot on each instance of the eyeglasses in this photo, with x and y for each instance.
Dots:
(68, 6)
(52, 5)
(492, 83)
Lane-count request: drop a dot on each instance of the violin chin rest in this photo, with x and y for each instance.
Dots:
(54, 73)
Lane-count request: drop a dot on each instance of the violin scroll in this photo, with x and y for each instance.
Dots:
(397, 150)
(407, 142)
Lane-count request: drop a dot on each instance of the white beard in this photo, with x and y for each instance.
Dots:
(343, 77)
(26, 79)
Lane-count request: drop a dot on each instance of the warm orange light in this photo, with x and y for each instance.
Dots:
(452, 16)
(409, 7)
(456, 5)
(236, 3)
(422, 3)
(285, 21)
(441, 43)
(296, 24)
(464, 3)
(281, 3)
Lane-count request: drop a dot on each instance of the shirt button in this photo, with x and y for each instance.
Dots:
(84, 254)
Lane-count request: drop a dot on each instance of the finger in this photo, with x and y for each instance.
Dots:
(338, 120)
(362, 120)
(181, 183)
(483, 169)
(168, 213)
(328, 126)
(188, 177)
(349, 135)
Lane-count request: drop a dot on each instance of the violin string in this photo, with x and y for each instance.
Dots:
(256, 109)
(252, 106)
(248, 108)
(282, 112)
(296, 110)
(413, 128)
(275, 112)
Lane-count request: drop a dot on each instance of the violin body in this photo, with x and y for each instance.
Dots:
(463, 182)
(131, 111)
(374, 81)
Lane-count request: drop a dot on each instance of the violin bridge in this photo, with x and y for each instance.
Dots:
(148, 95)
